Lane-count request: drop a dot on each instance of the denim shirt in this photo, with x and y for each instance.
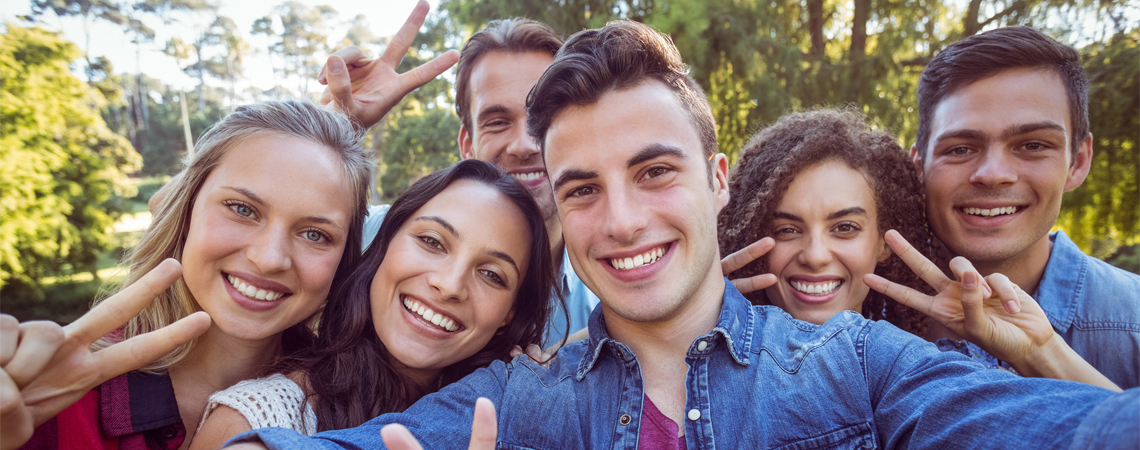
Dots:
(580, 301)
(1095, 307)
(761, 379)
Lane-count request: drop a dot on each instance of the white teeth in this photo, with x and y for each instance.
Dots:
(528, 176)
(636, 261)
(431, 316)
(990, 212)
(826, 287)
(252, 292)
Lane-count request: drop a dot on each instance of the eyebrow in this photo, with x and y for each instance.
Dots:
(654, 151)
(259, 200)
(1015, 130)
(490, 110)
(852, 211)
(573, 175)
(509, 260)
(503, 256)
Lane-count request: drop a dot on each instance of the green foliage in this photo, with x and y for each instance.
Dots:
(62, 171)
(1104, 212)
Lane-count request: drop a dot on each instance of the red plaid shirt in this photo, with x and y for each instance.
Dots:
(133, 411)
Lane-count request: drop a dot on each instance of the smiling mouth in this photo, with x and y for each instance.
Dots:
(821, 288)
(644, 259)
(991, 212)
(253, 292)
(529, 176)
(432, 317)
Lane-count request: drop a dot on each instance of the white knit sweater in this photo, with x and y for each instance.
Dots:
(273, 401)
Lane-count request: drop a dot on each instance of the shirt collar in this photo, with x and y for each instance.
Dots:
(1059, 289)
(735, 325)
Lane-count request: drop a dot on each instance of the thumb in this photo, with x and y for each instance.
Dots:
(340, 85)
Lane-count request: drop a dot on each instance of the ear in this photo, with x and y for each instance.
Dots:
(1080, 165)
(720, 180)
(884, 250)
(916, 159)
(466, 150)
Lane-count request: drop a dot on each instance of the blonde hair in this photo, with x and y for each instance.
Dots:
(166, 236)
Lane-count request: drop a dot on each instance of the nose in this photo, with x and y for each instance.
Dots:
(449, 280)
(522, 146)
(816, 252)
(270, 250)
(994, 169)
(624, 218)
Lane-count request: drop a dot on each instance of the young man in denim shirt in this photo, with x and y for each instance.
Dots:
(630, 145)
(1003, 133)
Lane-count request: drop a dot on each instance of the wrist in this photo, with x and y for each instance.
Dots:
(1045, 360)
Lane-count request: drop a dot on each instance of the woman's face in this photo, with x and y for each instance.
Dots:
(827, 238)
(450, 278)
(267, 231)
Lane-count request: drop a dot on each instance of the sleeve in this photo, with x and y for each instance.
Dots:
(273, 401)
(372, 222)
(440, 420)
(930, 399)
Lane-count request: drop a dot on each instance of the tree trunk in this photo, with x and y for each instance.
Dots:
(858, 48)
(815, 26)
(201, 78)
(970, 24)
(186, 124)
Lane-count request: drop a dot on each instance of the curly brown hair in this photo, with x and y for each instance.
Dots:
(773, 157)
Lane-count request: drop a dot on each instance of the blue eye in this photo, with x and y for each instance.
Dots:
(241, 209)
(314, 235)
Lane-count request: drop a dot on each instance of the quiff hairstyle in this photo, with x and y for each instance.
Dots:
(166, 236)
(515, 35)
(987, 54)
(770, 162)
(618, 56)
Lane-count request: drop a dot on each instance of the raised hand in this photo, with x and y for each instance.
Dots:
(744, 256)
(484, 431)
(993, 313)
(367, 89)
(46, 367)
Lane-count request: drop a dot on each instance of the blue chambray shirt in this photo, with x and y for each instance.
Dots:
(1095, 307)
(761, 379)
(580, 301)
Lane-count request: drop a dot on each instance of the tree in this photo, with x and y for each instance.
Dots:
(304, 33)
(62, 171)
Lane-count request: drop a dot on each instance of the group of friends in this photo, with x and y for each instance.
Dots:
(582, 233)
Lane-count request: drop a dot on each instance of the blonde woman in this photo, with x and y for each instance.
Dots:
(265, 216)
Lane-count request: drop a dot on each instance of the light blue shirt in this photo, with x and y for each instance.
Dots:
(1095, 307)
(580, 301)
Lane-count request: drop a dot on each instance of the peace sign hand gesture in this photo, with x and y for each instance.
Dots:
(366, 89)
(46, 367)
(992, 312)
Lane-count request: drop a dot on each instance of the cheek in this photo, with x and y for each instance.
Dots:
(316, 269)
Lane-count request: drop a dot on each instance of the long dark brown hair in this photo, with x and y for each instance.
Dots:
(773, 158)
(351, 374)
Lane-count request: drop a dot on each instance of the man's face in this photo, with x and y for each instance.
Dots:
(500, 82)
(998, 162)
(637, 208)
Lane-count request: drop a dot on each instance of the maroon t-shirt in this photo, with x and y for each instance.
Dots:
(657, 430)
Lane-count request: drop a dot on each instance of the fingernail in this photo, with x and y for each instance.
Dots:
(1012, 306)
(337, 66)
(970, 281)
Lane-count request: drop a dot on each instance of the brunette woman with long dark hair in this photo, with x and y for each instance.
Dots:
(458, 274)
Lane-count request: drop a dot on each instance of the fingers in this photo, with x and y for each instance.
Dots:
(973, 310)
(754, 283)
(1006, 291)
(397, 437)
(911, 298)
(119, 308)
(16, 424)
(352, 56)
(428, 71)
(746, 255)
(403, 38)
(517, 351)
(9, 336)
(918, 263)
(140, 350)
(340, 85)
(38, 343)
(484, 429)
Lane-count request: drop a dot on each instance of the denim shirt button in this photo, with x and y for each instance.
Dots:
(625, 419)
(702, 345)
(694, 414)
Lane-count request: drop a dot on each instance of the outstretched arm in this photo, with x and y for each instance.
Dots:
(46, 367)
(367, 89)
(992, 312)
(484, 431)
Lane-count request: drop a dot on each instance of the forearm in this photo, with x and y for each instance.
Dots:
(1058, 361)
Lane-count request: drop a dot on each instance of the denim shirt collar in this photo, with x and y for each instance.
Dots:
(735, 325)
(1062, 279)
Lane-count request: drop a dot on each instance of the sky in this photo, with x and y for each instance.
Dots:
(384, 17)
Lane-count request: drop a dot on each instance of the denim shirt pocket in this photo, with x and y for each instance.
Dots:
(505, 446)
(797, 339)
(854, 437)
